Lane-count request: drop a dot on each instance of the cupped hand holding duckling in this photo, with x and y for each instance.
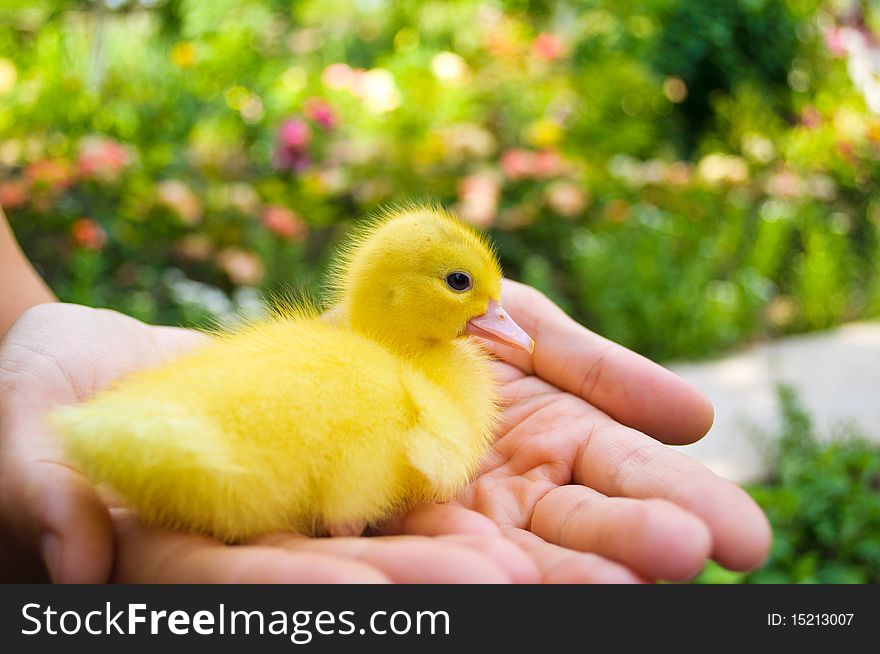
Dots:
(587, 497)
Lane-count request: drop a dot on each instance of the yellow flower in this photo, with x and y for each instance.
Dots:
(183, 54)
(544, 133)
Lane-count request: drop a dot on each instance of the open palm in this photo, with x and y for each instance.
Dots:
(587, 498)
(579, 475)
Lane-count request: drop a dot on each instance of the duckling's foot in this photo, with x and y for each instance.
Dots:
(347, 529)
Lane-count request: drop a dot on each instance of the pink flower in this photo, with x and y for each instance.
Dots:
(241, 266)
(547, 163)
(88, 234)
(283, 222)
(12, 194)
(321, 112)
(479, 194)
(834, 41)
(291, 149)
(547, 47)
(101, 158)
(517, 163)
(295, 134)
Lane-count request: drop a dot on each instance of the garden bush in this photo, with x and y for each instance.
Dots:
(680, 179)
(823, 499)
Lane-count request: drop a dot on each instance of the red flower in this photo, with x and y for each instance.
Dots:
(88, 234)
(283, 222)
(12, 194)
(50, 173)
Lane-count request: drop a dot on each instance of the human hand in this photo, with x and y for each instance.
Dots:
(580, 476)
(52, 518)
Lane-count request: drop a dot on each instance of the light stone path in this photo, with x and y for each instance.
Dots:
(836, 375)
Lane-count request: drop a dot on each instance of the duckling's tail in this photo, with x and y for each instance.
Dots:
(108, 434)
(161, 457)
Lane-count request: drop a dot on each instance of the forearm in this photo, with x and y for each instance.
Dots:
(20, 285)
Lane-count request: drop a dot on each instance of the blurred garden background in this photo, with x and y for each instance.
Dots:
(685, 178)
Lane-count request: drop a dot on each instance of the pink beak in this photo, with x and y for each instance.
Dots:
(497, 325)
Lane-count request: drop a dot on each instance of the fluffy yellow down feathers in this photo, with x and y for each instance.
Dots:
(303, 423)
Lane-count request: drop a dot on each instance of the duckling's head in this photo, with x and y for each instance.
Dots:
(418, 277)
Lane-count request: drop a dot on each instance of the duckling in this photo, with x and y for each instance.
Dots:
(302, 423)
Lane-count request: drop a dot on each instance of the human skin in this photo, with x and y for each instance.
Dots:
(579, 487)
(20, 285)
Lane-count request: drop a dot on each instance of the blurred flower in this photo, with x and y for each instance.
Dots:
(326, 181)
(547, 47)
(464, 141)
(811, 118)
(291, 150)
(241, 266)
(283, 222)
(616, 211)
(321, 112)
(821, 187)
(196, 247)
(478, 198)
(450, 67)
(834, 41)
(295, 134)
(717, 168)
(758, 147)
(53, 174)
(675, 89)
(517, 163)
(178, 197)
(547, 163)
(338, 76)
(183, 54)
(243, 197)
(679, 173)
(12, 193)
(88, 234)
(785, 184)
(101, 158)
(379, 91)
(566, 198)
(8, 75)
(543, 133)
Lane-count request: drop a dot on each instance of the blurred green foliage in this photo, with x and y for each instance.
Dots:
(682, 177)
(823, 500)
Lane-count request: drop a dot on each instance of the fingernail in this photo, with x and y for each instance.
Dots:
(51, 549)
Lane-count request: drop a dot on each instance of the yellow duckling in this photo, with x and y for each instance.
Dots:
(302, 423)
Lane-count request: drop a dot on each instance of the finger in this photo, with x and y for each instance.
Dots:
(559, 565)
(653, 536)
(440, 519)
(630, 388)
(619, 461)
(148, 555)
(52, 510)
(404, 559)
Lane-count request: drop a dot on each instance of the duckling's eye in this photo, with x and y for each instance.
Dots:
(459, 281)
